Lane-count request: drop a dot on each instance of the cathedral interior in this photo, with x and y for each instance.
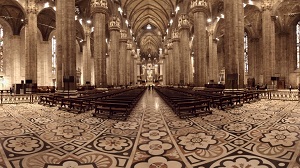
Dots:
(243, 54)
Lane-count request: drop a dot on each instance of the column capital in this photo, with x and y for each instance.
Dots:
(99, 6)
(31, 8)
(266, 5)
(183, 22)
(175, 35)
(123, 34)
(199, 6)
(114, 23)
(129, 45)
(170, 44)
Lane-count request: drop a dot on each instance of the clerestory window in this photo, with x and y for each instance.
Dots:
(53, 55)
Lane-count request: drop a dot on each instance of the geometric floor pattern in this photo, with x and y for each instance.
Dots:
(262, 134)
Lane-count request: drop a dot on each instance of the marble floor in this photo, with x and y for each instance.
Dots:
(263, 134)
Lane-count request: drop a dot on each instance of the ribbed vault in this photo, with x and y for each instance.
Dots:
(143, 14)
(11, 12)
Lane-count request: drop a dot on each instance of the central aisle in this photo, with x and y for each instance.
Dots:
(155, 145)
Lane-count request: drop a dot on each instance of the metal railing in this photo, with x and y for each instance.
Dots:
(280, 95)
(18, 98)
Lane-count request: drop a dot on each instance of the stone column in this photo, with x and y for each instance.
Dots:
(31, 31)
(44, 51)
(86, 67)
(66, 42)
(161, 73)
(135, 70)
(114, 28)
(268, 42)
(138, 69)
(128, 59)
(16, 54)
(166, 76)
(108, 62)
(170, 62)
(213, 70)
(99, 10)
(282, 61)
(234, 44)
(176, 61)
(132, 66)
(122, 59)
(185, 59)
(200, 9)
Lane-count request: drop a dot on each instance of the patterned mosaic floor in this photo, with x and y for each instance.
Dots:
(263, 134)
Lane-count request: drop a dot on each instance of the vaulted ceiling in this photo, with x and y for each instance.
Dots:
(145, 14)
(141, 15)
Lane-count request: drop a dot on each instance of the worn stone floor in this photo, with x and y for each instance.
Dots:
(262, 134)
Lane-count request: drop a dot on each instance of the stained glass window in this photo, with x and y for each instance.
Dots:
(298, 44)
(246, 59)
(1, 50)
(53, 55)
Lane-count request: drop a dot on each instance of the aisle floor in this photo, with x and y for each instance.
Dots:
(263, 134)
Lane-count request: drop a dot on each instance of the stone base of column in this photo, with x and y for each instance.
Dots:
(67, 94)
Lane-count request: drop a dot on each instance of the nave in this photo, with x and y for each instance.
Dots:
(257, 135)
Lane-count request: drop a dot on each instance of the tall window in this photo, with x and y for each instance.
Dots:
(1, 50)
(298, 44)
(53, 55)
(246, 59)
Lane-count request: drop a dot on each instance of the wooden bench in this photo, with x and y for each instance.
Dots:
(73, 104)
(112, 110)
(192, 108)
(225, 101)
(47, 100)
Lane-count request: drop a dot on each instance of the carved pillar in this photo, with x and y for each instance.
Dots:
(114, 28)
(122, 59)
(213, 68)
(86, 67)
(170, 62)
(66, 40)
(234, 44)
(135, 70)
(132, 66)
(128, 61)
(185, 59)
(31, 42)
(108, 62)
(200, 10)
(138, 69)
(166, 76)
(176, 61)
(282, 57)
(268, 42)
(16, 59)
(99, 10)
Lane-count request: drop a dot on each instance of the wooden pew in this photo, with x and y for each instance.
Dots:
(112, 110)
